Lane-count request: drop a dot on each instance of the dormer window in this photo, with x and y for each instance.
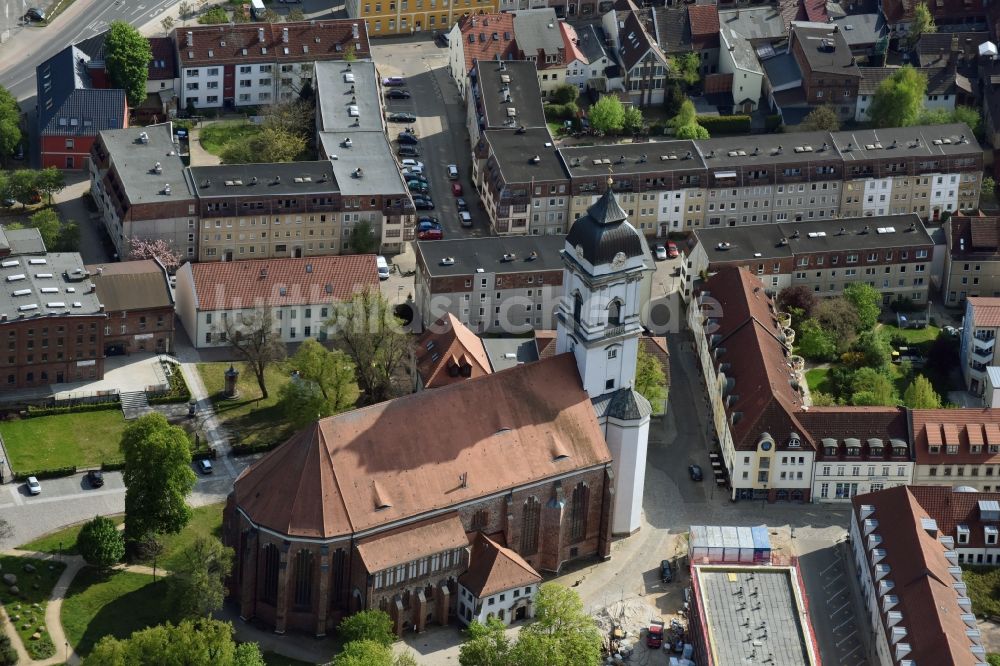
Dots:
(963, 534)
(934, 449)
(991, 535)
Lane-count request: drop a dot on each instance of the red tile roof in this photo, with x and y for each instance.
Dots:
(234, 285)
(164, 63)
(924, 585)
(570, 43)
(704, 20)
(446, 349)
(950, 508)
(861, 423)
(985, 311)
(962, 427)
(974, 236)
(545, 343)
(227, 42)
(482, 27)
(423, 452)
(816, 10)
(412, 541)
(494, 569)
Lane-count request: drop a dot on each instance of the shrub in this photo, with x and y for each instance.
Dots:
(557, 112)
(242, 449)
(72, 409)
(725, 124)
(51, 473)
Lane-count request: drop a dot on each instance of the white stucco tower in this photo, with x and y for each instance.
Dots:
(598, 321)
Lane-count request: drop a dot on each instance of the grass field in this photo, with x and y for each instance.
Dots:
(216, 135)
(66, 537)
(816, 378)
(913, 336)
(35, 588)
(84, 439)
(249, 418)
(114, 604)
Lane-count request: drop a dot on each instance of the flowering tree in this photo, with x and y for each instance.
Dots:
(141, 248)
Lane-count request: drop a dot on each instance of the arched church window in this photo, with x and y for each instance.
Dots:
(615, 313)
(270, 558)
(578, 515)
(529, 526)
(303, 578)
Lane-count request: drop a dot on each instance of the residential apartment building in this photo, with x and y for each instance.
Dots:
(250, 64)
(972, 262)
(478, 37)
(892, 254)
(539, 39)
(632, 33)
(978, 347)
(830, 75)
(139, 306)
(960, 447)
(385, 18)
(51, 318)
(503, 95)
(911, 584)
(587, 58)
(138, 181)
(299, 293)
(492, 285)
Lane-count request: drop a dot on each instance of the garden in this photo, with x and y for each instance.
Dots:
(27, 586)
(855, 359)
(253, 421)
(56, 441)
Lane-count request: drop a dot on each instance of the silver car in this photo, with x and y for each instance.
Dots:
(34, 487)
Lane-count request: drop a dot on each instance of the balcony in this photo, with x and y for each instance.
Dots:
(983, 347)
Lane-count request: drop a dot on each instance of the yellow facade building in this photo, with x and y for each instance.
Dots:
(405, 17)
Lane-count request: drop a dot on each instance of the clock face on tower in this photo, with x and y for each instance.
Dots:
(619, 260)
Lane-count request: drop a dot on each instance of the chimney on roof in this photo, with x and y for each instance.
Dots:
(354, 31)
(190, 38)
(260, 35)
(284, 35)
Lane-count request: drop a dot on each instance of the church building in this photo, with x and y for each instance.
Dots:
(430, 505)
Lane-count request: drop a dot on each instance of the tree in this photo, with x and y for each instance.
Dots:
(565, 94)
(371, 335)
(198, 584)
(10, 124)
(270, 144)
(100, 543)
(799, 297)
(368, 625)
(69, 238)
(201, 641)
(874, 348)
(302, 403)
(872, 388)
(349, 55)
(167, 23)
(563, 630)
(158, 477)
(184, 9)
(363, 239)
(486, 645)
(216, 15)
(968, 115)
(867, 303)
(920, 394)
(820, 399)
(989, 187)
(922, 24)
(899, 99)
(22, 185)
(673, 98)
(685, 123)
(814, 343)
(48, 225)
(607, 115)
(330, 369)
(650, 381)
(296, 14)
(126, 56)
(838, 318)
(306, 92)
(159, 249)
(50, 181)
(364, 653)
(633, 122)
(257, 342)
(821, 119)
(686, 68)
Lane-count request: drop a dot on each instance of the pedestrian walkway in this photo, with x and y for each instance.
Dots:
(200, 156)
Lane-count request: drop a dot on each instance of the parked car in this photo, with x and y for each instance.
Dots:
(672, 251)
(465, 218)
(654, 635)
(402, 118)
(413, 171)
(398, 93)
(661, 253)
(456, 189)
(429, 218)
(423, 203)
(666, 571)
(417, 186)
(394, 81)
(428, 230)
(408, 151)
(442, 39)
(34, 487)
(34, 14)
(9, 202)
(96, 478)
(462, 205)
(405, 138)
(412, 163)
(383, 267)
(205, 466)
(694, 471)
(452, 172)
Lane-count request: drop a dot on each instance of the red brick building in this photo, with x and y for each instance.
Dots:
(139, 306)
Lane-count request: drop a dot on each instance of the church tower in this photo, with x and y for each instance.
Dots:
(605, 261)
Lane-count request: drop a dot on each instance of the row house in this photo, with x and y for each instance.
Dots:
(958, 447)
(388, 18)
(502, 95)
(892, 254)
(632, 33)
(539, 39)
(254, 64)
(475, 37)
(899, 14)
(978, 346)
(972, 262)
(139, 305)
(941, 95)
(492, 285)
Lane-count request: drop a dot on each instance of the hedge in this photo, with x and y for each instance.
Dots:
(179, 391)
(772, 122)
(112, 465)
(725, 124)
(557, 112)
(53, 473)
(70, 409)
(247, 449)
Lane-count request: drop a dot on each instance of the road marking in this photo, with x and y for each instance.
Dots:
(90, 493)
(849, 619)
(830, 566)
(833, 580)
(856, 648)
(18, 500)
(844, 639)
(846, 603)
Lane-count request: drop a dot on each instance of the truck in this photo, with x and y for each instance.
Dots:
(654, 635)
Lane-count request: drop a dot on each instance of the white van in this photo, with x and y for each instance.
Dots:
(257, 8)
(465, 218)
(452, 172)
(383, 267)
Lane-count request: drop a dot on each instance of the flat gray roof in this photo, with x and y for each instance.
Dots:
(632, 158)
(368, 151)
(38, 286)
(507, 352)
(510, 93)
(933, 140)
(135, 163)
(471, 254)
(766, 149)
(227, 180)
(22, 241)
(860, 28)
(341, 109)
(756, 23)
(782, 70)
(516, 151)
(752, 615)
(746, 242)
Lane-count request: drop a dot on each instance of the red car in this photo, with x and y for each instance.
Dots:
(456, 189)
(429, 230)
(672, 250)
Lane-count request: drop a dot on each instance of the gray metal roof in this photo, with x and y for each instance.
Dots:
(537, 30)
(507, 352)
(516, 154)
(742, 50)
(762, 242)
(767, 149)
(135, 163)
(933, 140)
(22, 241)
(825, 48)
(782, 70)
(653, 156)
(472, 254)
(861, 29)
(605, 231)
(40, 286)
(341, 109)
(510, 94)
(368, 151)
(591, 43)
(756, 23)
(993, 372)
(227, 180)
(68, 105)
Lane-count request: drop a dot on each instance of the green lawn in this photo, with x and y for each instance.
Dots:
(205, 521)
(66, 537)
(249, 419)
(913, 336)
(27, 609)
(215, 136)
(275, 659)
(115, 604)
(816, 378)
(84, 439)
